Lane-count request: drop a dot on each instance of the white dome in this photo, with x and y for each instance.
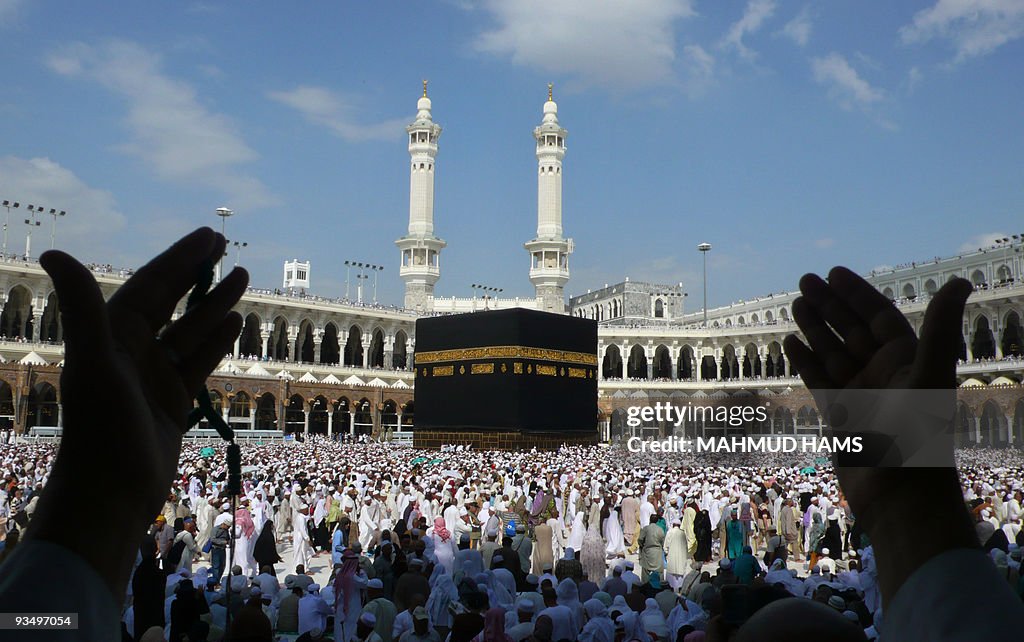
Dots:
(423, 104)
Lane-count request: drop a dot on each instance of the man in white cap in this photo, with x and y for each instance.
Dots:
(313, 610)
(827, 564)
(523, 628)
(365, 631)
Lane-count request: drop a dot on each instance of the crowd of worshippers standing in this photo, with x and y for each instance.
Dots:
(428, 545)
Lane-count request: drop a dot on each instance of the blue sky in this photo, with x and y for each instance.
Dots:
(790, 135)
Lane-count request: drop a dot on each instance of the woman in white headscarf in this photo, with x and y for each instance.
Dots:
(616, 545)
(592, 554)
(577, 532)
(442, 593)
(653, 620)
(599, 627)
(632, 628)
(568, 595)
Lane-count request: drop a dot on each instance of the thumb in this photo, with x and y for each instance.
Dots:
(82, 308)
(941, 334)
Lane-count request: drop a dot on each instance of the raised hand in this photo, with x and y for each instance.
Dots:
(858, 341)
(126, 389)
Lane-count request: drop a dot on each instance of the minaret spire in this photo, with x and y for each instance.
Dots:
(549, 251)
(421, 249)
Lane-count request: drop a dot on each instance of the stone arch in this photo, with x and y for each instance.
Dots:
(751, 363)
(888, 293)
(782, 420)
(807, 417)
(783, 314)
(930, 287)
(305, 348)
(354, 347)
(6, 405)
(775, 362)
(617, 427)
(963, 427)
(266, 412)
(754, 318)
(728, 323)
(250, 341)
(342, 415)
(364, 417)
(611, 366)
(51, 329)
(376, 355)
(330, 348)
(909, 292)
(659, 309)
(978, 277)
(1018, 423)
(239, 407)
(399, 355)
(16, 319)
(294, 414)
(684, 365)
(408, 415)
(708, 368)
(992, 425)
(1012, 340)
(769, 317)
(279, 340)
(741, 320)
(318, 409)
(389, 415)
(42, 405)
(637, 365)
(1004, 274)
(662, 366)
(983, 345)
(730, 364)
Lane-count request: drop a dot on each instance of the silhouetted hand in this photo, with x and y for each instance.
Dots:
(126, 395)
(858, 340)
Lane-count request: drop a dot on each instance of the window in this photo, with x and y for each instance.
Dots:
(302, 275)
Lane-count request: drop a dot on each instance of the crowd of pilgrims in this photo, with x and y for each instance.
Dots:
(580, 544)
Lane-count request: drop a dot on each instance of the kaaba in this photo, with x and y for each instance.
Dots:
(506, 379)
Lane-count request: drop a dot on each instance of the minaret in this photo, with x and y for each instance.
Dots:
(549, 251)
(421, 250)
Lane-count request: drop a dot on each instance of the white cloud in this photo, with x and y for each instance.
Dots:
(914, 78)
(177, 136)
(324, 107)
(8, 10)
(605, 43)
(699, 69)
(973, 27)
(844, 84)
(799, 28)
(754, 17)
(982, 241)
(41, 181)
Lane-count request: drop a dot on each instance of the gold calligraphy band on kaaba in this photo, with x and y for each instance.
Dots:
(506, 352)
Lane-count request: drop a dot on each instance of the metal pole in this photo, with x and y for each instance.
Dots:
(375, 270)
(705, 289)
(348, 273)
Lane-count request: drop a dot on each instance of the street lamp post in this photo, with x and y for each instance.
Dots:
(223, 213)
(704, 248)
(32, 222)
(53, 228)
(238, 251)
(7, 221)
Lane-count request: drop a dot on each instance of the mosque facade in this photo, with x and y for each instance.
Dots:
(311, 364)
